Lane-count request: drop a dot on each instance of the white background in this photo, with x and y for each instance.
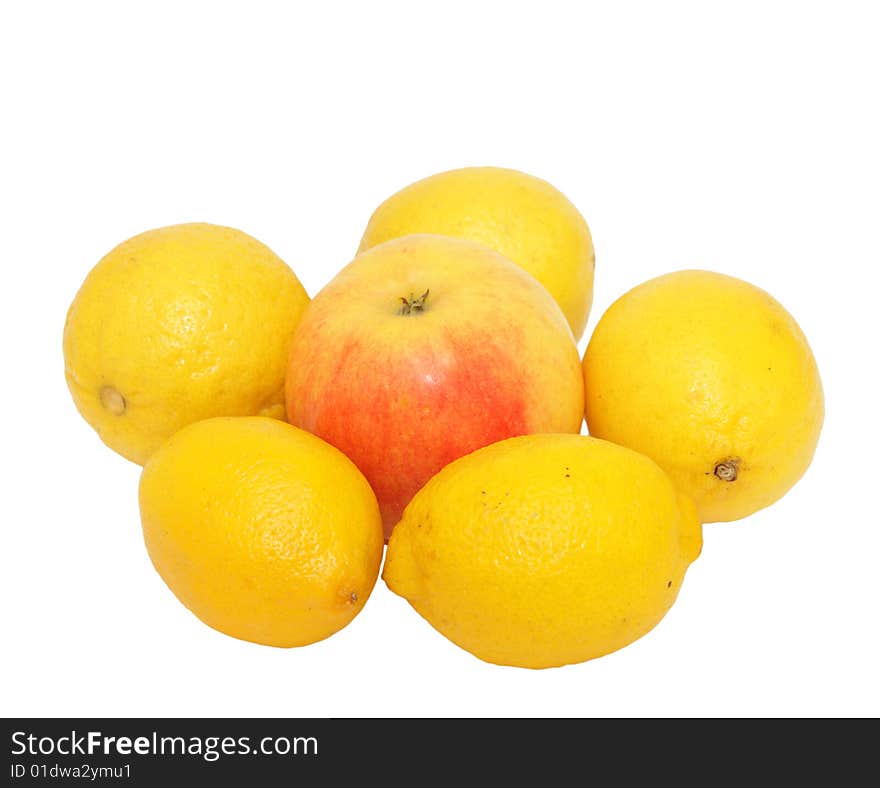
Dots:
(741, 137)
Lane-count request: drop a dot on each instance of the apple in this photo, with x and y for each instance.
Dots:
(424, 349)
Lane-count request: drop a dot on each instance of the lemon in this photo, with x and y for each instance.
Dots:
(261, 529)
(523, 217)
(179, 324)
(711, 378)
(544, 550)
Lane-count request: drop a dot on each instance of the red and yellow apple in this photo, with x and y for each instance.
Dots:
(424, 349)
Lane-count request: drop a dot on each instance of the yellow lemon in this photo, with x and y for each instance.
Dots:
(179, 324)
(261, 529)
(711, 378)
(523, 217)
(544, 550)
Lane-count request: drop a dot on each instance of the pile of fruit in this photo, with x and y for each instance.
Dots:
(432, 396)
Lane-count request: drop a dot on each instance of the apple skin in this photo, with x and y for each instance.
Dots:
(489, 355)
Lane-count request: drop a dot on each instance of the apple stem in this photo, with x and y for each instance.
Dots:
(413, 304)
